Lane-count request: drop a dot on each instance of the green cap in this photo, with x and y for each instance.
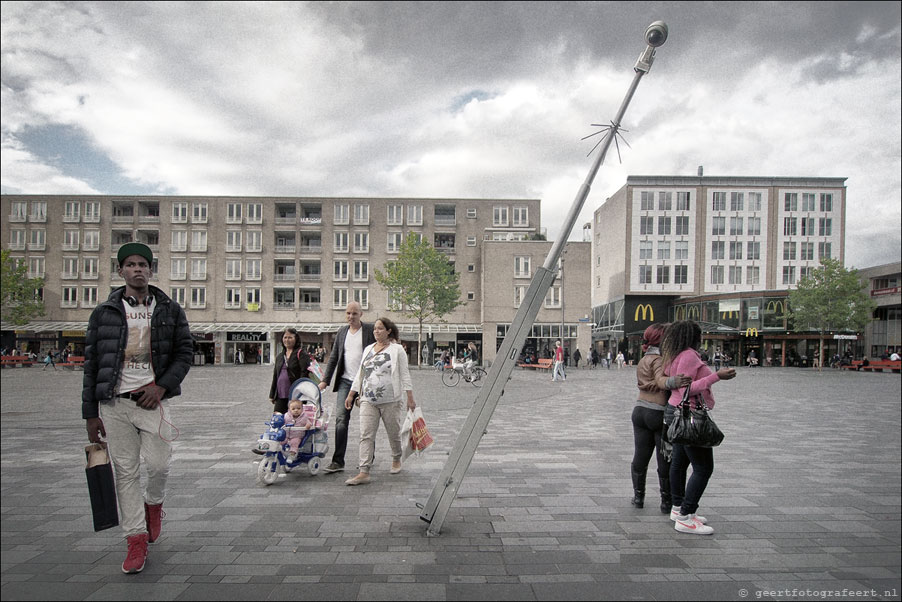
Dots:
(135, 248)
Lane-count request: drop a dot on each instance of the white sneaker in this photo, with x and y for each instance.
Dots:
(689, 524)
(675, 513)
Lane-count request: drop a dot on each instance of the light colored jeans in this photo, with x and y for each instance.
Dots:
(391, 414)
(558, 370)
(132, 432)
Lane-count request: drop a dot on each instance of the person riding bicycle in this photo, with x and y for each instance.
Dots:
(471, 354)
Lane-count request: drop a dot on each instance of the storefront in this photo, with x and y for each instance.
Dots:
(204, 348)
(246, 348)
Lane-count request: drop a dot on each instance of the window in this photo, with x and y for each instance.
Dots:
(809, 201)
(89, 268)
(682, 225)
(471, 241)
(826, 202)
(233, 298)
(199, 240)
(70, 268)
(754, 226)
(339, 298)
(737, 201)
(718, 226)
(806, 251)
(254, 240)
(233, 269)
(35, 267)
(825, 226)
(644, 274)
(753, 250)
(521, 216)
(824, 250)
(178, 268)
(361, 271)
(88, 296)
(341, 242)
(519, 293)
(716, 274)
(681, 249)
(37, 240)
(340, 269)
(645, 249)
(735, 250)
(179, 213)
(663, 250)
(553, 297)
(522, 268)
(71, 211)
(789, 274)
(789, 251)
(198, 296)
(198, 268)
(234, 213)
(717, 249)
(735, 226)
(361, 215)
(647, 201)
(789, 226)
(18, 212)
(804, 272)
(719, 202)
(680, 274)
(395, 215)
(92, 240)
(791, 201)
(471, 213)
(252, 295)
(233, 241)
(752, 274)
(807, 224)
(754, 201)
(342, 214)
(647, 225)
(414, 215)
(17, 240)
(255, 213)
(362, 296)
(252, 269)
(179, 240)
(665, 201)
(734, 275)
(499, 215)
(69, 297)
(663, 225)
(663, 274)
(361, 242)
(38, 211)
(394, 242)
(70, 240)
(199, 213)
(683, 201)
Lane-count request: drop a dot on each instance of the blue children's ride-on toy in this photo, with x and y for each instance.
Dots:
(314, 442)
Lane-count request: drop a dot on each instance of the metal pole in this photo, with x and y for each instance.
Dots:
(455, 469)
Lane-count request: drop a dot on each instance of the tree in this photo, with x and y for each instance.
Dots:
(20, 301)
(423, 284)
(831, 298)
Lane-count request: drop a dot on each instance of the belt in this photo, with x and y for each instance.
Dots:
(132, 396)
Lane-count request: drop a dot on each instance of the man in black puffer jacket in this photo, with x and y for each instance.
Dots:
(138, 350)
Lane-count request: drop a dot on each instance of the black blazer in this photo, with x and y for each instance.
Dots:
(297, 368)
(337, 357)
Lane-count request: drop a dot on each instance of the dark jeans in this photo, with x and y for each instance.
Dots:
(342, 420)
(648, 426)
(688, 494)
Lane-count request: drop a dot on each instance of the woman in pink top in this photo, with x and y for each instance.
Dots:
(680, 352)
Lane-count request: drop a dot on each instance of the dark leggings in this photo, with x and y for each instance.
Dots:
(280, 405)
(687, 495)
(647, 429)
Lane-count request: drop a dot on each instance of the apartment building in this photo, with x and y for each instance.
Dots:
(245, 268)
(736, 245)
(884, 334)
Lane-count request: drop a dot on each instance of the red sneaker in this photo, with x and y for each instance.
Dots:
(137, 554)
(153, 516)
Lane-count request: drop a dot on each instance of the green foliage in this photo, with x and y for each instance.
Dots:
(19, 301)
(831, 298)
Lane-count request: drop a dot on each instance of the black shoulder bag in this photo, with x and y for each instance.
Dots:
(694, 426)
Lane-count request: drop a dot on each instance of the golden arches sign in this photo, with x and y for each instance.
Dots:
(773, 305)
(679, 313)
(729, 314)
(751, 332)
(645, 308)
(694, 312)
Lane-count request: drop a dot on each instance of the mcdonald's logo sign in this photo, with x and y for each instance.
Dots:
(729, 314)
(693, 312)
(774, 305)
(751, 332)
(679, 313)
(646, 309)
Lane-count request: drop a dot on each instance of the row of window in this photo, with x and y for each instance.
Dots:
(805, 226)
(680, 274)
(736, 201)
(661, 274)
(665, 201)
(809, 201)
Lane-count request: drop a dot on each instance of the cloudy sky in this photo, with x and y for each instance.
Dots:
(458, 99)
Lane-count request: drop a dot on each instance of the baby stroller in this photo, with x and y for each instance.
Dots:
(314, 441)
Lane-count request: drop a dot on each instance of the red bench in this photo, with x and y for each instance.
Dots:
(74, 361)
(875, 366)
(542, 364)
(15, 361)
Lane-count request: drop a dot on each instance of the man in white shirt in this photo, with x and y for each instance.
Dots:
(344, 362)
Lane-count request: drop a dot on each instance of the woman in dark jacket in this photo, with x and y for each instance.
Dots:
(293, 363)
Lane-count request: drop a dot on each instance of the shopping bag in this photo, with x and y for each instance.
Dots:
(406, 447)
(420, 439)
(101, 486)
(316, 370)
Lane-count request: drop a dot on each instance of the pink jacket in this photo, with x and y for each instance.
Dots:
(689, 363)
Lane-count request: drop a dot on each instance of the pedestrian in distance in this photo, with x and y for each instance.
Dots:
(680, 351)
(344, 362)
(293, 363)
(558, 369)
(138, 350)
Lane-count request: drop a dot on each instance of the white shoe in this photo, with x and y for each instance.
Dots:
(689, 524)
(675, 513)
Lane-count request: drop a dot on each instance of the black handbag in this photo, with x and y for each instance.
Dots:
(101, 486)
(694, 426)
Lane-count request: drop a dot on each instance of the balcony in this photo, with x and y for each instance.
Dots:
(283, 305)
(286, 220)
(311, 249)
(309, 306)
(290, 249)
(283, 277)
(310, 277)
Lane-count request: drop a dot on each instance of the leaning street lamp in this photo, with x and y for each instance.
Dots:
(454, 471)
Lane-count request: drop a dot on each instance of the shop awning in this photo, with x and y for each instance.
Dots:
(212, 327)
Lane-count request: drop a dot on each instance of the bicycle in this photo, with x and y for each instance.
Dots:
(451, 377)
